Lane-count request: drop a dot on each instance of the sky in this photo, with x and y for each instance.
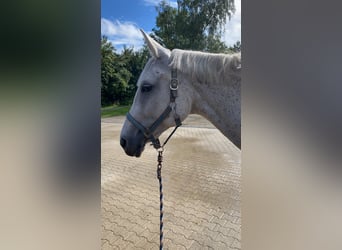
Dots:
(122, 19)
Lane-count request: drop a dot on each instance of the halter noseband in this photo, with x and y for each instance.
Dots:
(148, 132)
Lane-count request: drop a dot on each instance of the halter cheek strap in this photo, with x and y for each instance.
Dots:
(148, 132)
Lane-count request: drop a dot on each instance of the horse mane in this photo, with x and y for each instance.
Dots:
(206, 67)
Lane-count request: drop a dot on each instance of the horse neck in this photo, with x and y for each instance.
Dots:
(219, 102)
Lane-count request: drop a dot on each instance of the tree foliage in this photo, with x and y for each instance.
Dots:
(135, 62)
(194, 24)
(119, 73)
(236, 47)
(114, 75)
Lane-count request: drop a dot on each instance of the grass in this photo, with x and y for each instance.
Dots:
(114, 111)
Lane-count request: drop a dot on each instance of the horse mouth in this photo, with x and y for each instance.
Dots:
(139, 150)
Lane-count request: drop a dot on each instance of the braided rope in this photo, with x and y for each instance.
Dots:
(159, 167)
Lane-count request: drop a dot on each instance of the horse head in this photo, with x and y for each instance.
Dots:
(152, 100)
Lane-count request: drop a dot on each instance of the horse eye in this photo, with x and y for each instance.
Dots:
(146, 88)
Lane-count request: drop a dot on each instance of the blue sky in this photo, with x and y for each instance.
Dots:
(121, 20)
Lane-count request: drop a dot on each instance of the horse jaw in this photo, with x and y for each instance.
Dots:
(156, 50)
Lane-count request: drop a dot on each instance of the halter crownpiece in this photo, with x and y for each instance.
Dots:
(148, 132)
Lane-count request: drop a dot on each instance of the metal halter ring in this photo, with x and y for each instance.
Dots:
(174, 84)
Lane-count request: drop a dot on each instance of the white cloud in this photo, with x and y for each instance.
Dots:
(156, 2)
(232, 32)
(122, 33)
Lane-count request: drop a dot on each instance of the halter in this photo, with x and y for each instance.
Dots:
(148, 132)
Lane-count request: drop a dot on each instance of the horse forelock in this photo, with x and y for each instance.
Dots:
(206, 67)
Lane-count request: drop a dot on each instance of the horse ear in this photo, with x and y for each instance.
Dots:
(156, 50)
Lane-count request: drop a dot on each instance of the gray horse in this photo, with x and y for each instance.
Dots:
(207, 84)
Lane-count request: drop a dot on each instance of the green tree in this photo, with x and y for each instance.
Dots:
(107, 71)
(194, 24)
(120, 72)
(114, 75)
(135, 61)
(236, 47)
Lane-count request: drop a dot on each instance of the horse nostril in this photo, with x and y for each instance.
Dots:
(122, 142)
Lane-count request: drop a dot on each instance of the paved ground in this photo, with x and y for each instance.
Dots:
(202, 189)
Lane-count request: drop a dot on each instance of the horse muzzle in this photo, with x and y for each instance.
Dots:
(133, 146)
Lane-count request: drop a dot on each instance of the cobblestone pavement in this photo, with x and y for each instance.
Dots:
(202, 189)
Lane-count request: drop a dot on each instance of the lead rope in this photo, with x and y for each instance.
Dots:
(160, 150)
(159, 176)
